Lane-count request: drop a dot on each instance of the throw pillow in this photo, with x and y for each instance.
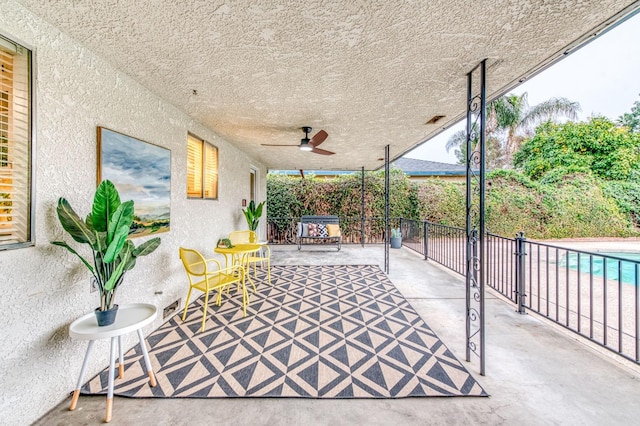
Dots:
(322, 230)
(313, 230)
(305, 230)
(333, 230)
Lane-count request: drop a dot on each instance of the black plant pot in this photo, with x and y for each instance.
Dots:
(106, 317)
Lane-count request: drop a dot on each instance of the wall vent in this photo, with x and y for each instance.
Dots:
(435, 119)
(170, 309)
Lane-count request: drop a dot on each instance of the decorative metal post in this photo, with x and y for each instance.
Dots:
(362, 213)
(521, 252)
(426, 240)
(475, 227)
(386, 209)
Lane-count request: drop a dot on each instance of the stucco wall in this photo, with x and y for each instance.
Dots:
(44, 288)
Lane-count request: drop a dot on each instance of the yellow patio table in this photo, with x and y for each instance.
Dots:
(130, 318)
(239, 255)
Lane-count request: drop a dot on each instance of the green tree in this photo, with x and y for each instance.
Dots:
(597, 146)
(631, 119)
(510, 121)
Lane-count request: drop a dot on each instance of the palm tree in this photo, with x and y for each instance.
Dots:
(519, 121)
(493, 152)
(510, 121)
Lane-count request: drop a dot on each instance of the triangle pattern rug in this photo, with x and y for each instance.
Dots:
(316, 332)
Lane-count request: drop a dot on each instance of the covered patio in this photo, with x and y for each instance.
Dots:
(536, 373)
(242, 80)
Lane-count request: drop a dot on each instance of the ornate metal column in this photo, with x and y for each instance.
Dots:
(387, 229)
(475, 150)
(362, 218)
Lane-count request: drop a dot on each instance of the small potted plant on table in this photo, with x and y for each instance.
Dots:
(105, 230)
(253, 214)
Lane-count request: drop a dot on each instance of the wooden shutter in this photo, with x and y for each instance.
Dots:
(202, 169)
(194, 167)
(210, 171)
(252, 185)
(15, 144)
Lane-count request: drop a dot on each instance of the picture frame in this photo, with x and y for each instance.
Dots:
(140, 171)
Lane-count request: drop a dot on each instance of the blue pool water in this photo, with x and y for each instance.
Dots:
(628, 268)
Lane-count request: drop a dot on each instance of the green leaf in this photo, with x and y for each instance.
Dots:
(146, 248)
(65, 245)
(127, 255)
(117, 273)
(100, 273)
(113, 249)
(89, 222)
(72, 223)
(105, 203)
(100, 245)
(131, 262)
(123, 216)
(259, 210)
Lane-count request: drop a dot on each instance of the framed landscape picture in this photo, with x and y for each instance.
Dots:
(141, 172)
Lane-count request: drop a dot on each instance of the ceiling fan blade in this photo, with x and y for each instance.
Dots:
(322, 151)
(318, 138)
(271, 144)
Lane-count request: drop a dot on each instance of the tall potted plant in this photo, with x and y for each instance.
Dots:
(105, 230)
(253, 214)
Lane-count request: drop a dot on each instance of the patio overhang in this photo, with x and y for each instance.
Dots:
(370, 74)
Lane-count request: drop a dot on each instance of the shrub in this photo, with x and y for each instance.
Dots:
(566, 202)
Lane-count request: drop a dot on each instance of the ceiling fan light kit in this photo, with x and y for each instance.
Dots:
(307, 144)
(304, 142)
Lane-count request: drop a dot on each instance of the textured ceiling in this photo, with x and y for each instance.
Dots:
(370, 73)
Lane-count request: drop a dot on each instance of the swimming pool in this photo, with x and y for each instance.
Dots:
(628, 268)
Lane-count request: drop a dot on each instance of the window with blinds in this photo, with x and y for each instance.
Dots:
(15, 145)
(202, 169)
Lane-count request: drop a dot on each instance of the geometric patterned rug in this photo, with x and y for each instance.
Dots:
(316, 332)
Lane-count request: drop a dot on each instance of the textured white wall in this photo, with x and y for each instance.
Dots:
(44, 288)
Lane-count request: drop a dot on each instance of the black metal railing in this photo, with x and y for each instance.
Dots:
(413, 235)
(595, 295)
(592, 294)
(284, 230)
(500, 267)
(441, 243)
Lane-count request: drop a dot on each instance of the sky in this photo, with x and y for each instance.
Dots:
(140, 171)
(603, 76)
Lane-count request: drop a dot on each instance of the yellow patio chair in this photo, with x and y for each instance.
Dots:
(262, 256)
(206, 279)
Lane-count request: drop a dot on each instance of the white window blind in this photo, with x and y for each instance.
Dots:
(15, 144)
(202, 169)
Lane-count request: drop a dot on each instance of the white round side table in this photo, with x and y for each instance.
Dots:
(131, 317)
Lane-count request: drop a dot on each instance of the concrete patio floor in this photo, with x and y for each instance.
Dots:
(536, 373)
